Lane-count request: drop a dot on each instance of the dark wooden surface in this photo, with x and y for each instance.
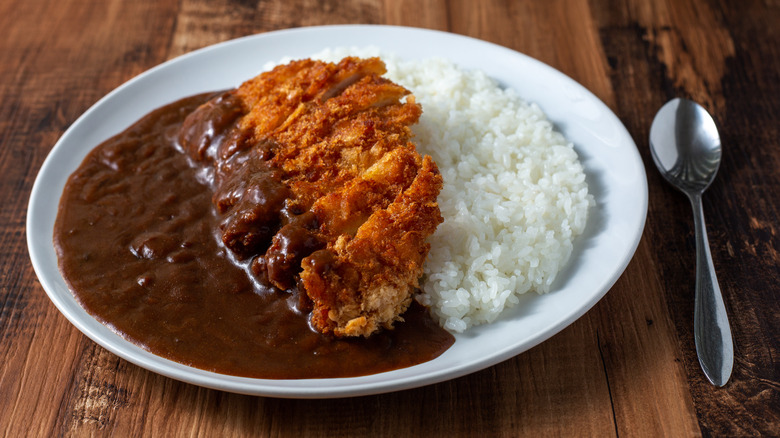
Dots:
(628, 367)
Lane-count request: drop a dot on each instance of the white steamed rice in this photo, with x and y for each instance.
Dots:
(514, 196)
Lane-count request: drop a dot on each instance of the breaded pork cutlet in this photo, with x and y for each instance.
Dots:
(358, 201)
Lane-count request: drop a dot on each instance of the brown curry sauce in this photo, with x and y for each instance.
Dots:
(141, 246)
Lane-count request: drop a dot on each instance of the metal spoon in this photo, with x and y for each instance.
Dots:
(685, 145)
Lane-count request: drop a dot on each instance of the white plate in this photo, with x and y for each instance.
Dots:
(614, 170)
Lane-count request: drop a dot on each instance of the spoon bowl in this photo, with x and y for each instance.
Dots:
(686, 148)
(685, 145)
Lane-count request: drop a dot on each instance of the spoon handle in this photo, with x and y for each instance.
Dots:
(714, 345)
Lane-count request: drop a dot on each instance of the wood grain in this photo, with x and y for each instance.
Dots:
(628, 367)
(703, 61)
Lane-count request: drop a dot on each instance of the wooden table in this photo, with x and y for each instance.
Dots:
(628, 367)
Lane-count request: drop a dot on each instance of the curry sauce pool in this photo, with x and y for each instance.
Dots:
(135, 237)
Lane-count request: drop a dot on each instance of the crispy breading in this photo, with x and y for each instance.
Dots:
(367, 280)
(340, 135)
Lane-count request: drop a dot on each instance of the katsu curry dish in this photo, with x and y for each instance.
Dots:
(320, 220)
